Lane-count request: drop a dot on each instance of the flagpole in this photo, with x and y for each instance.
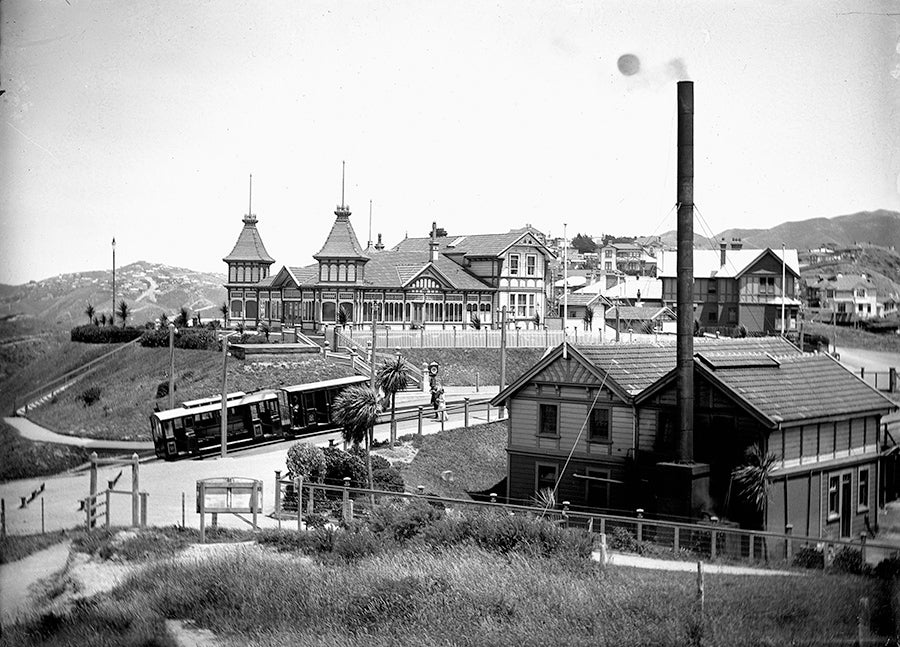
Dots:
(565, 318)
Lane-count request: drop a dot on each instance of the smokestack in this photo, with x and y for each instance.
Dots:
(685, 271)
(433, 245)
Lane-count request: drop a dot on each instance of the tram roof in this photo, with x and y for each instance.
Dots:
(315, 386)
(180, 412)
(190, 404)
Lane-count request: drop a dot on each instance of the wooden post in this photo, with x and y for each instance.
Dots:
(202, 505)
(92, 499)
(603, 526)
(144, 497)
(183, 525)
(135, 487)
(488, 411)
(43, 529)
(310, 509)
(254, 502)
(345, 499)
(701, 594)
(466, 411)
(2, 517)
(862, 547)
(864, 619)
(106, 504)
(713, 537)
(476, 382)
(419, 428)
(604, 550)
(298, 485)
(278, 496)
(788, 530)
(677, 546)
(565, 513)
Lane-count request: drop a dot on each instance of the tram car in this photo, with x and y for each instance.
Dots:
(195, 427)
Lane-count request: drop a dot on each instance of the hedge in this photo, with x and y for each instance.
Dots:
(91, 334)
(191, 338)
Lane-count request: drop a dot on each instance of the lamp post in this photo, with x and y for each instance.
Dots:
(171, 365)
(224, 431)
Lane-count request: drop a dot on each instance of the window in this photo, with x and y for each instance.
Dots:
(863, 488)
(598, 431)
(530, 264)
(596, 488)
(548, 420)
(513, 263)
(712, 316)
(351, 272)
(607, 265)
(255, 274)
(711, 287)
(544, 476)
(342, 272)
(323, 272)
(521, 305)
(232, 273)
(732, 314)
(767, 285)
(531, 305)
(834, 503)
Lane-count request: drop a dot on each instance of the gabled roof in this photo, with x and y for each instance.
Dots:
(640, 313)
(845, 282)
(341, 241)
(707, 262)
(249, 245)
(473, 245)
(585, 300)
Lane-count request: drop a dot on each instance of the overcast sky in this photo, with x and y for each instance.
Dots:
(143, 120)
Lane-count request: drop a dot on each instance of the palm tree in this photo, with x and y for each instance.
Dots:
(265, 329)
(89, 311)
(588, 318)
(224, 310)
(342, 317)
(184, 315)
(123, 312)
(393, 376)
(753, 478)
(355, 409)
(163, 320)
(102, 318)
(475, 320)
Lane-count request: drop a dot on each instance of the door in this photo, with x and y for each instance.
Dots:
(846, 505)
(418, 316)
(597, 491)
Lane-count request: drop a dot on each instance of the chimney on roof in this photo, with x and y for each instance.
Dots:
(433, 245)
(685, 272)
(379, 245)
(722, 247)
(736, 243)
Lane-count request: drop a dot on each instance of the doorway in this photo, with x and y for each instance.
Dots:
(846, 506)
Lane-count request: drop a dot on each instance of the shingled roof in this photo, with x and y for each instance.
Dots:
(471, 245)
(342, 241)
(249, 245)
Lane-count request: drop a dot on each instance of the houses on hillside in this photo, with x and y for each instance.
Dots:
(596, 423)
(434, 282)
(848, 297)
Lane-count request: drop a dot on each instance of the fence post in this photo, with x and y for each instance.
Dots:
(788, 530)
(182, 511)
(201, 503)
(135, 482)
(254, 501)
(310, 508)
(93, 491)
(700, 589)
(862, 547)
(476, 382)
(345, 500)
(278, 496)
(863, 621)
(892, 379)
(419, 422)
(106, 503)
(144, 497)
(677, 545)
(2, 517)
(425, 377)
(712, 543)
(603, 526)
(565, 513)
(466, 411)
(422, 336)
(489, 411)
(298, 488)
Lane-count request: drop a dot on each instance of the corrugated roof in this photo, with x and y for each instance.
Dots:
(707, 262)
(800, 387)
(249, 245)
(636, 367)
(341, 241)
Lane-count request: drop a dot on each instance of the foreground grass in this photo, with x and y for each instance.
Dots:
(128, 383)
(476, 456)
(25, 459)
(16, 547)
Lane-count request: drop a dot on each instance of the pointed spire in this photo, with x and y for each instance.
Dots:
(250, 218)
(343, 211)
(369, 245)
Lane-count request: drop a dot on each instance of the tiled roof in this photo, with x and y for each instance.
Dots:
(650, 288)
(639, 313)
(582, 299)
(249, 246)
(341, 241)
(707, 262)
(473, 245)
(845, 282)
(636, 367)
(798, 387)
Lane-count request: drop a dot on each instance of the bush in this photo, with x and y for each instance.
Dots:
(307, 461)
(90, 395)
(339, 464)
(889, 568)
(404, 520)
(189, 338)
(848, 560)
(389, 479)
(92, 334)
(809, 557)
(623, 539)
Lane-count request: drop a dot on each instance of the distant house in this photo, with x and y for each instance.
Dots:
(641, 319)
(579, 305)
(629, 258)
(736, 287)
(849, 297)
(597, 422)
(626, 290)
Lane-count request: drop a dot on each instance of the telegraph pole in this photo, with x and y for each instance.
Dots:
(114, 278)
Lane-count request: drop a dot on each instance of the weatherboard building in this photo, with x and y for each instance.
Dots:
(433, 282)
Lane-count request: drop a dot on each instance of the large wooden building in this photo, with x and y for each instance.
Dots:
(434, 282)
(596, 421)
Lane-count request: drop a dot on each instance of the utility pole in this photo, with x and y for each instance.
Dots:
(503, 352)
(372, 359)
(171, 365)
(783, 288)
(565, 317)
(114, 278)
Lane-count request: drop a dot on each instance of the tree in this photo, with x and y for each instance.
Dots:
(224, 310)
(89, 311)
(584, 244)
(102, 318)
(163, 320)
(123, 312)
(184, 315)
(439, 232)
(475, 320)
(588, 318)
(753, 478)
(342, 317)
(393, 376)
(355, 409)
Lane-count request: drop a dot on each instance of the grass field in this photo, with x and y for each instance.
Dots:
(423, 592)
(128, 383)
(25, 459)
(476, 456)
(850, 337)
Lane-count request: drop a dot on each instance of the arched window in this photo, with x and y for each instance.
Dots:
(240, 274)
(232, 274)
(332, 272)
(351, 272)
(342, 272)
(236, 309)
(323, 272)
(255, 274)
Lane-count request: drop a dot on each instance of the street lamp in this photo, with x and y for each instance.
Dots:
(224, 432)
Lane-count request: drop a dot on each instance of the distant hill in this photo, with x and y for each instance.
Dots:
(876, 227)
(148, 288)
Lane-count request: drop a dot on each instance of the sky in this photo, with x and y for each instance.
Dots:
(143, 120)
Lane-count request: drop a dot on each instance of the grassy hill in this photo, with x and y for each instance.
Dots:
(880, 264)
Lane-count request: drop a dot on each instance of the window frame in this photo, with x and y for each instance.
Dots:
(537, 473)
(597, 472)
(514, 264)
(862, 505)
(600, 440)
(530, 264)
(540, 420)
(834, 489)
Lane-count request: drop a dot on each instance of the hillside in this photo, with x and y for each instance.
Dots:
(881, 265)
(148, 288)
(879, 227)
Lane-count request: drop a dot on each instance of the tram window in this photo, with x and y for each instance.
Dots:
(189, 421)
(167, 427)
(179, 423)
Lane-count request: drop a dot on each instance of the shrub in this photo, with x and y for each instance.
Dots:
(623, 539)
(90, 395)
(91, 334)
(848, 560)
(389, 479)
(404, 520)
(306, 460)
(190, 338)
(356, 543)
(809, 557)
(339, 464)
(889, 568)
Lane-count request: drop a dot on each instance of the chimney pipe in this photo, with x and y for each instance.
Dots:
(722, 247)
(685, 271)
(433, 245)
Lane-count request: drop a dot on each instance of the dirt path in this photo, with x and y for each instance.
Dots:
(636, 561)
(18, 580)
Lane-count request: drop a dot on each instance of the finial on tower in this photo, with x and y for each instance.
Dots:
(250, 218)
(369, 246)
(342, 210)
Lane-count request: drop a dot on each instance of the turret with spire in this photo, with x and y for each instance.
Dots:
(341, 259)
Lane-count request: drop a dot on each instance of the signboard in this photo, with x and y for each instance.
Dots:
(229, 494)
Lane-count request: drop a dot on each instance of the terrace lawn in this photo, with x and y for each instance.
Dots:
(128, 385)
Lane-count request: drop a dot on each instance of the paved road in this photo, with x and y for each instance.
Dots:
(31, 431)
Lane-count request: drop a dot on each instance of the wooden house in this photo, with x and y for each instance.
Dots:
(594, 422)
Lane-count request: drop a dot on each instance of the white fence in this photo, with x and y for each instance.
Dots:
(484, 338)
